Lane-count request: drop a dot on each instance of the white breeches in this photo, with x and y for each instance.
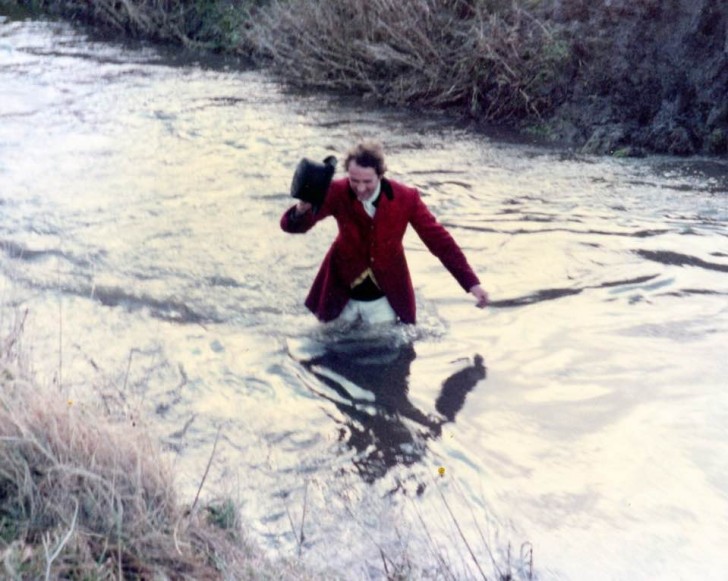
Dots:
(372, 312)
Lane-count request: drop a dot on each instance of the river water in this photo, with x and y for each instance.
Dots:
(583, 415)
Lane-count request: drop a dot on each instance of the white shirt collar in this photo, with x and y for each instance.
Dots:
(369, 206)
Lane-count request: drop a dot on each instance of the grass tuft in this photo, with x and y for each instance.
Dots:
(84, 495)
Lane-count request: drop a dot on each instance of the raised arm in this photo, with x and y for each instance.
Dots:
(298, 219)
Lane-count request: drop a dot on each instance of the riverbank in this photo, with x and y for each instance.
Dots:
(620, 78)
(85, 493)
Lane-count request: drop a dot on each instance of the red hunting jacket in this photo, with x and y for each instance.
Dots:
(364, 242)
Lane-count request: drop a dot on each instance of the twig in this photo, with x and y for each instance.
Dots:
(529, 547)
(300, 536)
(303, 518)
(207, 470)
(462, 535)
(60, 336)
(482, 536)
(443, 564)
(59, 548)
(384, 562)
(128, 368)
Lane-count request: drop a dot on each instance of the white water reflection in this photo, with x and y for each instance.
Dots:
(140, 205)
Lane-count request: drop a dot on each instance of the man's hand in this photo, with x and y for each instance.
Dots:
(479, 293)
(302, 208)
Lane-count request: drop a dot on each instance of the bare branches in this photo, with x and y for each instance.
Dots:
(496, 65)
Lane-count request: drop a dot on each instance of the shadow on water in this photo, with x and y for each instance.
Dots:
(369, 384)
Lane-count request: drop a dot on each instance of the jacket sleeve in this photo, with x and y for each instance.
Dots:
(295, 224)
(441, 243)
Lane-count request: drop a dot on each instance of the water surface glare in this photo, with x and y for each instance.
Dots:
(585, 412)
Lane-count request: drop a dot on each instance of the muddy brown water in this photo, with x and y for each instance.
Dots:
(584, 412)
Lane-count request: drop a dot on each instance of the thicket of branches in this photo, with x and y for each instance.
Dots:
(494, 60)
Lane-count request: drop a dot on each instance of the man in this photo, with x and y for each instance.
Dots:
(364, 274)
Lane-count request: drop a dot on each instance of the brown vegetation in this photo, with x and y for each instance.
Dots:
(85, 496)
(622, 77)
(496, 64)
(218, 25)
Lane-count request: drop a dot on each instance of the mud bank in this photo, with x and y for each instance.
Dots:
(648, 76)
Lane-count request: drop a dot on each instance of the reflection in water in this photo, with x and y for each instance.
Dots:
(371, 380)
(456, 388)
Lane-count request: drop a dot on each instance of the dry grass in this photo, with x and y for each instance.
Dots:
(200, 24)
(495, 61)
(83, 496)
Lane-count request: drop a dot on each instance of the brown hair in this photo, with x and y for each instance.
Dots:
(367, 154)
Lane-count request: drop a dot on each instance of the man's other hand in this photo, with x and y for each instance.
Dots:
(479, 293)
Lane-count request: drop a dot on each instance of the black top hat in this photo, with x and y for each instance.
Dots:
(312, 179)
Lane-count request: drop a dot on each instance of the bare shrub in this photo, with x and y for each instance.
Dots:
(495, 62)
(201, 24)
(86, 496)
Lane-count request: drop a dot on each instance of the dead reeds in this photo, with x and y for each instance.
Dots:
(88, 495)
(494, 60)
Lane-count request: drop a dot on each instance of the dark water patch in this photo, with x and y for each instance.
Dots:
(537, 297)
(224, 281)
(694, 291)
(636, 234)
(557, 293)
(437, 184)
(227, 101)
(706, 175)
(19, 252)
(436, 171)
(339, 122)
(217, 102)
(166, 310)
(13, 115)
(525, 200)
(676, 259)
(77, 54)
(708, 188)
(638, 280)
(543, 218)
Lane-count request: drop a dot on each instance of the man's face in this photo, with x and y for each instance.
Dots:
(363, 180)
